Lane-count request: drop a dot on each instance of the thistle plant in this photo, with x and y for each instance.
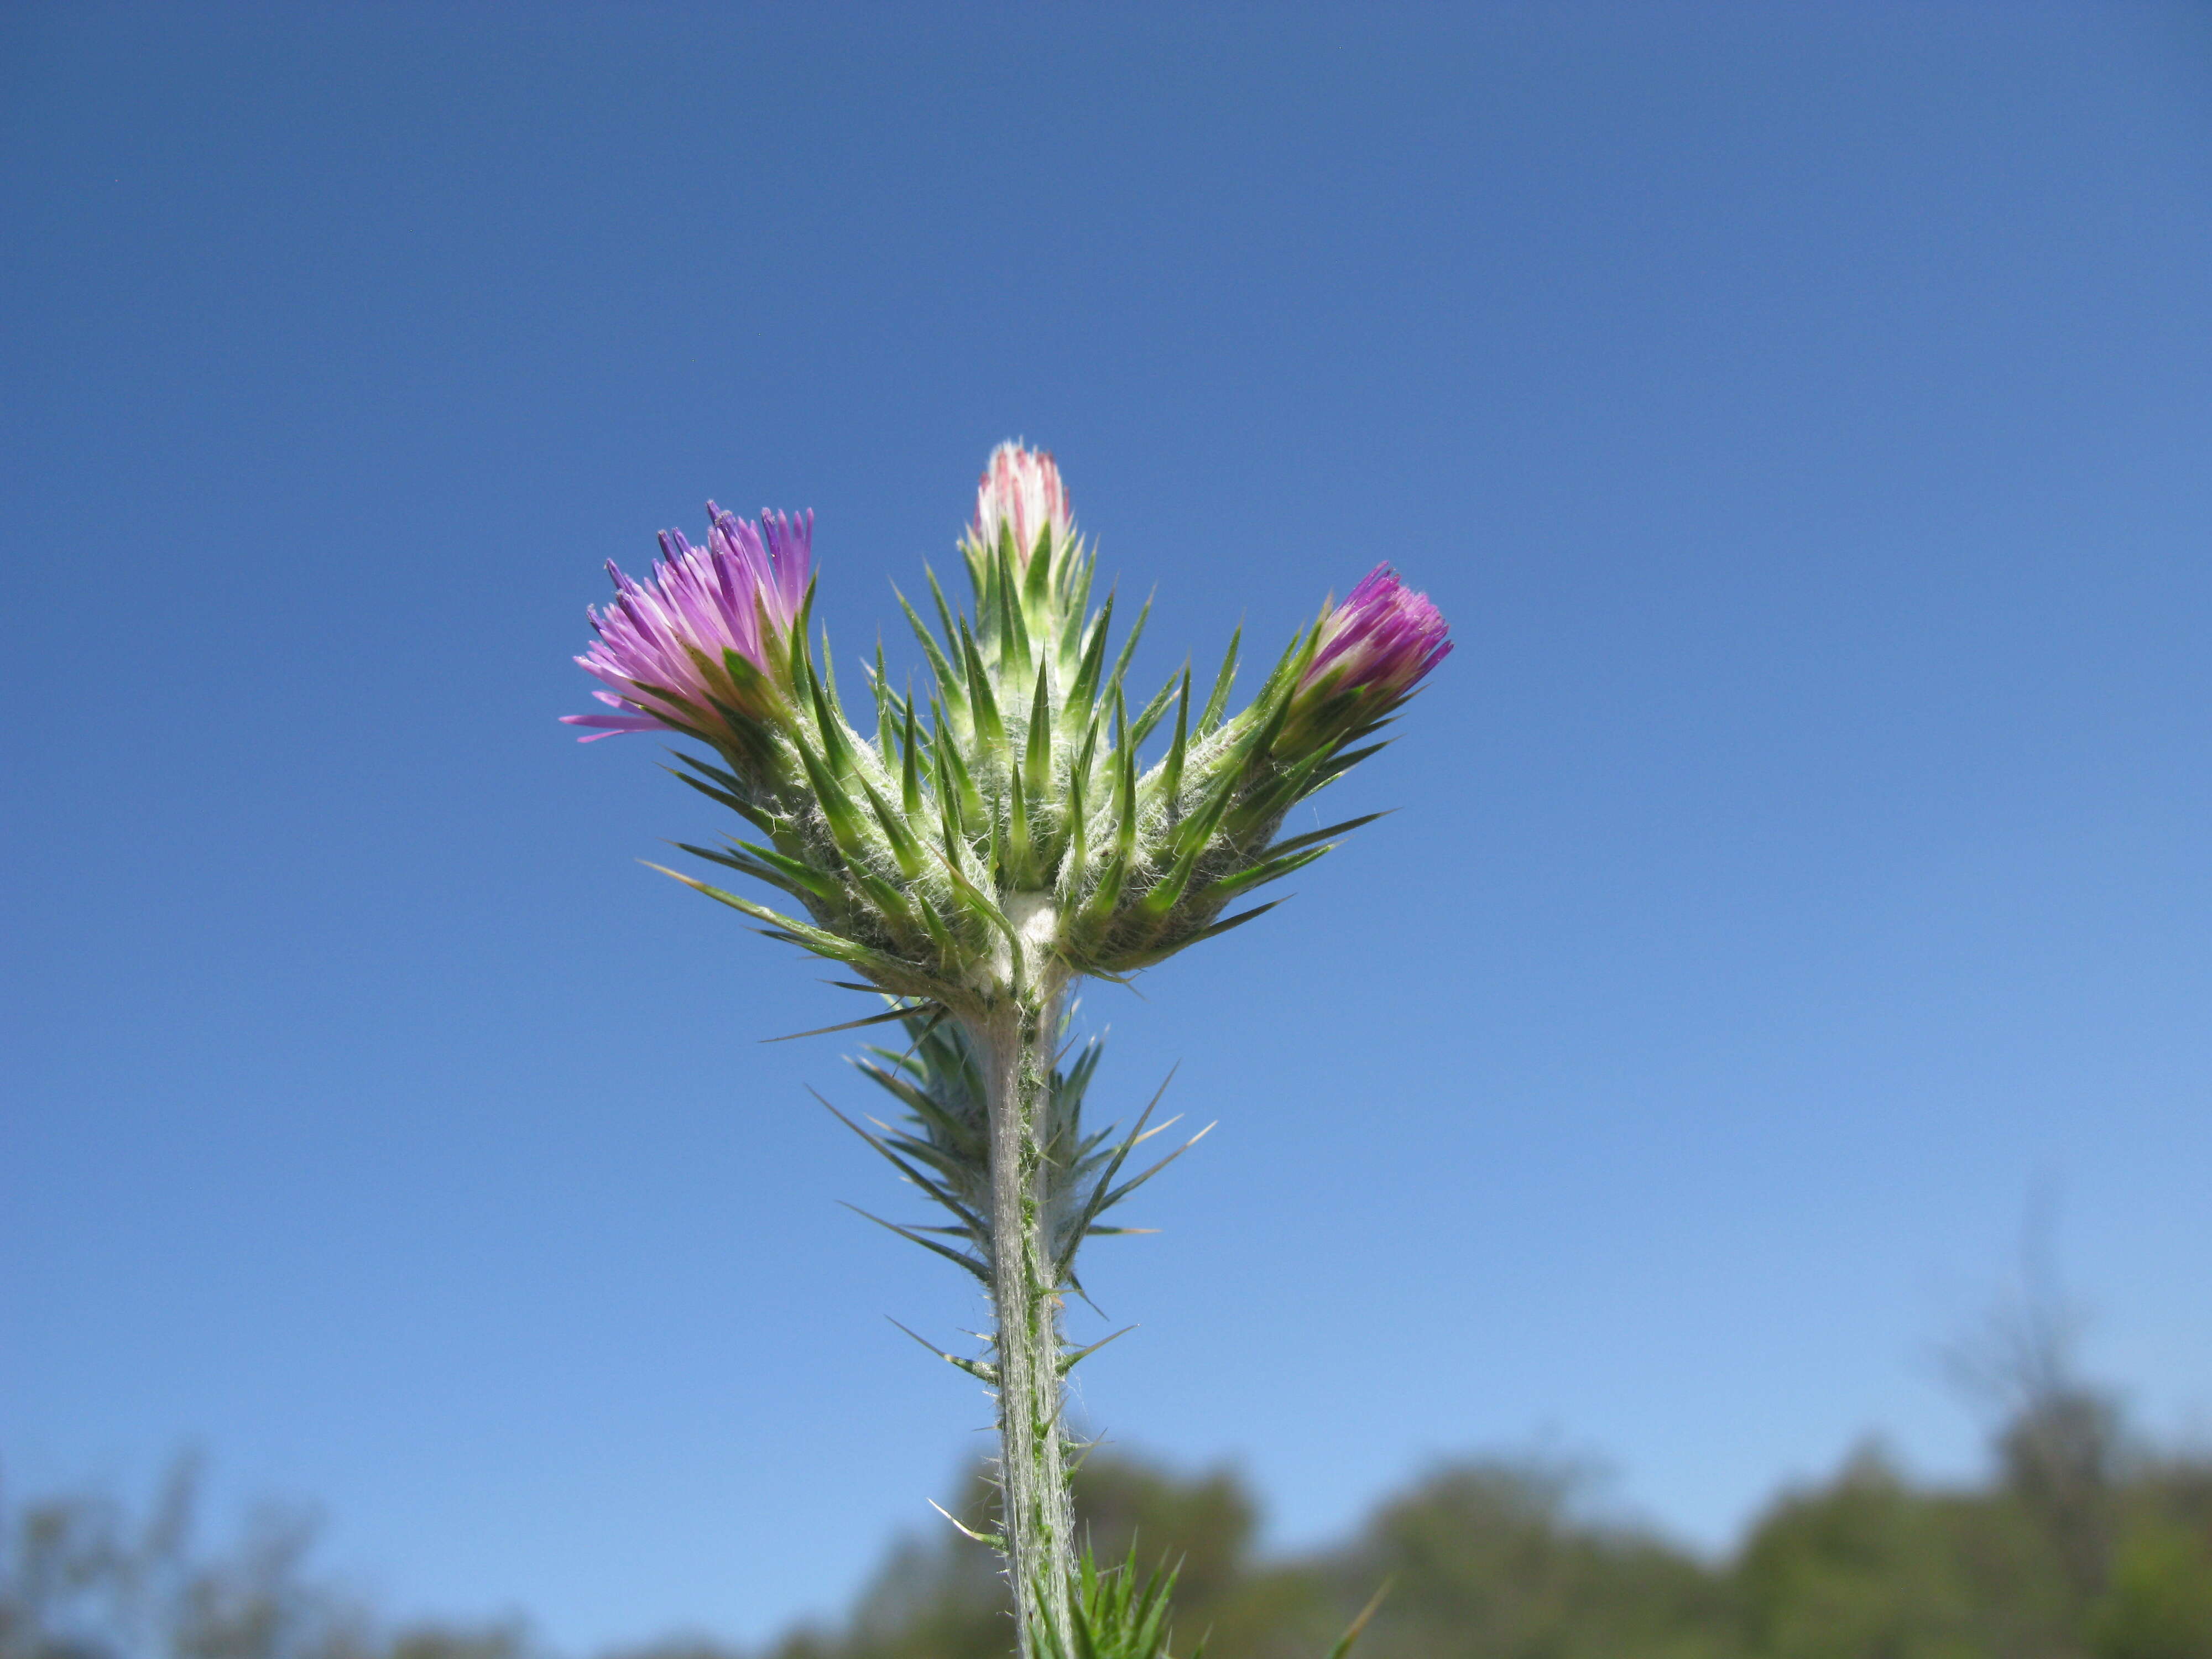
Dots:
(993, 840)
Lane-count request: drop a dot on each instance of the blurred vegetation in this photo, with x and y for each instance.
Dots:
(2082, 1545)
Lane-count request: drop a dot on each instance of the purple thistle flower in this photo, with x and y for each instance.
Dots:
(1021, 487)
(661, 642)
(1384, 637)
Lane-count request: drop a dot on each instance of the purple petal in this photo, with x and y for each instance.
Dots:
(1383, 636)
(673, 629)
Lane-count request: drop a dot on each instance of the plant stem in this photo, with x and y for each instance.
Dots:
(1018, 1043)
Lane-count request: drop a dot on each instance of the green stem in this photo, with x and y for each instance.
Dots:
(1018, 1043)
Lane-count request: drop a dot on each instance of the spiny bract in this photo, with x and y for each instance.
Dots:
(999, 830)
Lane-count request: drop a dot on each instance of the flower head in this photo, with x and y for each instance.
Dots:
(1384, 638)
(1021, 487)
(664, 645)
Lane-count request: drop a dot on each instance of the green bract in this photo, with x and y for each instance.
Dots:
(1001, 828)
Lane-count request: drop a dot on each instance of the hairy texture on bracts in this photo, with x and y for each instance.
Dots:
(1021, 817)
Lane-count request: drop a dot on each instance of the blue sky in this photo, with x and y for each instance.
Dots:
(1801, 412)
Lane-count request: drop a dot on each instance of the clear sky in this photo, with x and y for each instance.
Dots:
(1801, 412)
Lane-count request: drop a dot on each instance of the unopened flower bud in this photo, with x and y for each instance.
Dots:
(1021, 488)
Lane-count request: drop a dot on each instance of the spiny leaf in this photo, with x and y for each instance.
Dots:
(1070, 869)
(1125, 760)
(1339, 764)
(1129, 644)
(1296, 655)
(745, 676)
(1261, 810)
(1080, 566)
(751, 867)
(1261, 874)
(837, 747)
(1036, 582)
(1039, 747)
(989, 726)
(1196, 833)
(1014, 638)
(828, 681)
(802, 671)
(1352, 1633)
(1098, 1200)
(961, 802)
(882, 687)
(728, 780)
(1083, 755)
(837, 807)
(1273, 708)
(910, 767)
(848, 1025)
(744, 739)
(1019, 861)
(962, 1137)
(981, 1370)
(1103, 897)
(966, 1261)
(905, 847)
(1135, 1181)
(945, 613)
(934, 924)
(1217, 703)
(1171, 770)
(1330, 834)
(972, 1226)
(1153, 712)
(965, 1176)
(1237, 921)
(949, 685)
(1068, 1362)
(1129, 962)
(743, 809)
(966, 1531)
(1167, 892)
(891, 904)
(985, 908)
(902, 978)
(1083, 690)
(791, 873)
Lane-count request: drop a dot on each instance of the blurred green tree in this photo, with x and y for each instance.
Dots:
(2083, 1544)
(81, 1579)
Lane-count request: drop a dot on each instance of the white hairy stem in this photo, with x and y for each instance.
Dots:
(1016, 1042)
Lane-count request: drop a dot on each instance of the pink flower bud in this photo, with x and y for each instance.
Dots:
(1021, 488)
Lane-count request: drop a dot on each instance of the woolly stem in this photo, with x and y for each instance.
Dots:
(1018, 1044)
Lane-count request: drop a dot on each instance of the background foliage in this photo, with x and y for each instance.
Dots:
(2083, 1544)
